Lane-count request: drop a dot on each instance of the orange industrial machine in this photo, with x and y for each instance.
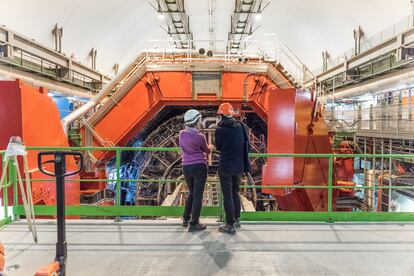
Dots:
(261, 92)
(293, 117)
(2, 259)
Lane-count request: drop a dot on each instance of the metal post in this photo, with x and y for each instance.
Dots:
(371, 116)
(372, 183)
(365, 159)
(330, 172)
(382, 173)
(15, 190)
(221, 204)
(412, 14)
(61, 245)
(365, 168)
(409, 102)
(5, 196)
(118, 176)
(390, 178)
(358, 33)
(399, 116)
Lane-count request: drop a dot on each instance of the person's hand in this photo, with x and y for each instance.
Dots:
(211, 147)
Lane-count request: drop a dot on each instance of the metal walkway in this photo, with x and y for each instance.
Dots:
(164, 248)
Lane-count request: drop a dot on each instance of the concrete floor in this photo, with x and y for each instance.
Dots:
(164, 248)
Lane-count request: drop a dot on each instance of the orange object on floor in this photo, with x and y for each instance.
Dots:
(49, 270)
(2, 260)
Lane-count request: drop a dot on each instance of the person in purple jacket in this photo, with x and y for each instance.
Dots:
(194, 151)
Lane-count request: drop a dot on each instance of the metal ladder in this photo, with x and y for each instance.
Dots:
(213, 194)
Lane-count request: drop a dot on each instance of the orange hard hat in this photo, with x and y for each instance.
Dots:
(226, 109)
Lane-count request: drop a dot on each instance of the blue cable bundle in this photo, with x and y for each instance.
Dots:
(132, 163)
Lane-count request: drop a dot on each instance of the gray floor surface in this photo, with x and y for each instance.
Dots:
(163, 247)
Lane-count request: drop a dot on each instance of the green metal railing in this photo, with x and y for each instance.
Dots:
(119, 210)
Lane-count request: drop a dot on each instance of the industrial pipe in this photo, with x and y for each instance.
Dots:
(100, 96)
(43, 82)
(387, 82)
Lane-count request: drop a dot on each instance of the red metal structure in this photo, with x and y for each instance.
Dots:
(30, 113)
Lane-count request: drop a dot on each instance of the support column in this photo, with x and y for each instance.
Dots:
(412, 14)
(390, 178)
(93, 53)
(70, 71)
(116, 68)
(10, 42)
(399, 116)
(58, 34)
(325, 57)
(346, 67)
(400, 49)
(371, 117)
(359, 118)
(410, 104)
(372, 183)
(358, 34)
(365, 159)
(380, 194)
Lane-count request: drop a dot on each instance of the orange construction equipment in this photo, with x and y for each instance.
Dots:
(51, 269)
(2, 259)
(31, 114)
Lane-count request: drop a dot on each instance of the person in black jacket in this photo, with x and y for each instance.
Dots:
(232, 142)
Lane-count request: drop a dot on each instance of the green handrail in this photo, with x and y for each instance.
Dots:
(326, 155)
(119, 210)
(5, 195)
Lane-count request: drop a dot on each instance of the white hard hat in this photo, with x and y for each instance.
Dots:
(191, 116)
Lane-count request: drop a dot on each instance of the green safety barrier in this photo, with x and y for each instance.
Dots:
(212, 211)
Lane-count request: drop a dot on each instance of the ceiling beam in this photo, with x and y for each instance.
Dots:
(178, 23)
(242, 23)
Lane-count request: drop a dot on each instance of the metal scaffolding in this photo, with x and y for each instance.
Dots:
(30, 57)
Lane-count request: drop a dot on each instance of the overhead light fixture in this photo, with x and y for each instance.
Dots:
(161, 16)
(258, 16)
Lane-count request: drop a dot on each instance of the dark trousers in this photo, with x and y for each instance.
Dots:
(230, 186)
(195, 176)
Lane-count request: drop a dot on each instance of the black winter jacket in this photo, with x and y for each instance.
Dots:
(233, 143)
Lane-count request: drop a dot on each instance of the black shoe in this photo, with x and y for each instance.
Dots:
(197, 227)
(237, 223)
(227, 228)
(185, 223)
